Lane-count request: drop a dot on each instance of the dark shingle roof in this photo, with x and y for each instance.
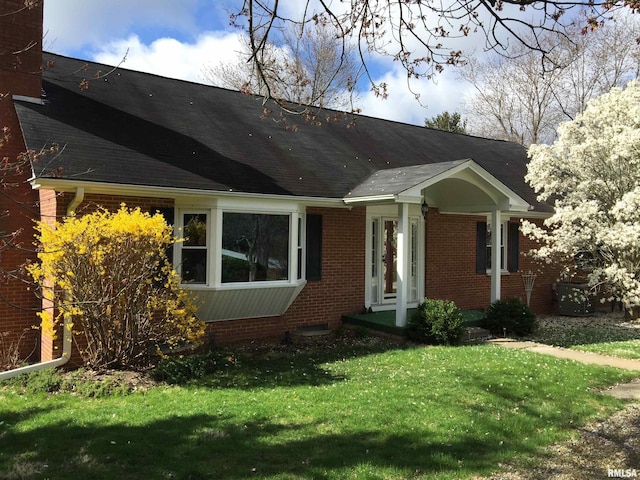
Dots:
(396, 180)
(141, 129)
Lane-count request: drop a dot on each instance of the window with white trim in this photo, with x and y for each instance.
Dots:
(503, 245)
(194, 248)
(509, 247)
(299, 248)
(255, 247)
(230, 247)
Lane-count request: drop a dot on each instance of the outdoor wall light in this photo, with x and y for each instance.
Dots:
(425, 210)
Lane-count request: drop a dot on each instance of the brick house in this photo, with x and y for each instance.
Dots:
(286, 227)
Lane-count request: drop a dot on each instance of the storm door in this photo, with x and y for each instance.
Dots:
(384, 272)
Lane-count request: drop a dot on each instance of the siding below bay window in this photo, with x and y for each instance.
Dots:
(245, 301)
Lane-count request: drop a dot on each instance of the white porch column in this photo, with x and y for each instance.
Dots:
(496, 257)
(402, 264)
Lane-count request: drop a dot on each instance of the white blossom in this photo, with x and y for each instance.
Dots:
(592, 176)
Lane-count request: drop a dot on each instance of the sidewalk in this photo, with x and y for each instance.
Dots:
(629, 390)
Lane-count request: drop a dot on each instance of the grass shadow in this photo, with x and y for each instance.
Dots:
(269, 366)
(209, 446)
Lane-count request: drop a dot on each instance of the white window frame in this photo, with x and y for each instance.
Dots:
(301, 251)
(291, 253)
(214, 215)
(504, 245)
(177, 256)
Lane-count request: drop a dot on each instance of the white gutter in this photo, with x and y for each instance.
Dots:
(172, 192)
(66, 325)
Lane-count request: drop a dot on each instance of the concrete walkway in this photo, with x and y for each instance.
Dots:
(629, 390)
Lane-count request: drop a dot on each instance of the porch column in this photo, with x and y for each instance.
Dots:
(402, 264)
(496, 257)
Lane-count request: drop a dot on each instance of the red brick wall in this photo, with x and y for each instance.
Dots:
(20, 48)
(450, 272)
(451, 266)
(113, 202)
(49, 348)
(20, 74)
(17, 303)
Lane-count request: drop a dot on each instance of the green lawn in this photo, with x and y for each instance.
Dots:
(341, 413)
(624, 349)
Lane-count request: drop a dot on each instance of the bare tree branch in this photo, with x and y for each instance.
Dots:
(424, 37)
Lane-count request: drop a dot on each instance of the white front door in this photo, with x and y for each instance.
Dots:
(382, 258)
(388, 260)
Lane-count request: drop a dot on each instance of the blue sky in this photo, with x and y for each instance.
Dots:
(179, 38)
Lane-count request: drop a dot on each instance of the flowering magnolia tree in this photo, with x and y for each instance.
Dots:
(592, 175)
(112, 278)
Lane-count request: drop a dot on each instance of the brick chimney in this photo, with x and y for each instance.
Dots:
(20, 75)
(21, 47)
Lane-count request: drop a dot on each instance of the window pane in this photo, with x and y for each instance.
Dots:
(255, 247)
(300, 225)
(389, 258)
(488, 246)
(413, 265)
(195, 230)
(374, 261)
(194, 265)
(502, 245)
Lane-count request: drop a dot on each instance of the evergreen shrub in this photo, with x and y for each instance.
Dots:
(436, 322)
(510, 316)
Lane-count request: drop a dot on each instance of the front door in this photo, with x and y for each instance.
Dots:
(389, 260)
(384, 272)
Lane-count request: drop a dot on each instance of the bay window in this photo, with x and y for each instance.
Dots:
(233, 247)
(255, 247)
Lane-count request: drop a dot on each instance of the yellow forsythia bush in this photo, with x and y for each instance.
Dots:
(112, 276)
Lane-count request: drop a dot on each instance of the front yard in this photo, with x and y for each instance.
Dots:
(362, 408)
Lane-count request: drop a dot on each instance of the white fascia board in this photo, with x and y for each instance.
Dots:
(409, 199)
(529, 214)
(184, 194)
(481, 209)
(370, 199)
(462, 172)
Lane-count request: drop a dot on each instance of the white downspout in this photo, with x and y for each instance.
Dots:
(66, 325)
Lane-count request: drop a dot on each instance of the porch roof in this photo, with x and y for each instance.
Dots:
(455, 186)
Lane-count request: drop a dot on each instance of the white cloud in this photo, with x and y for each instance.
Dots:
(169, 57)
(446, 92)
(71, 25)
